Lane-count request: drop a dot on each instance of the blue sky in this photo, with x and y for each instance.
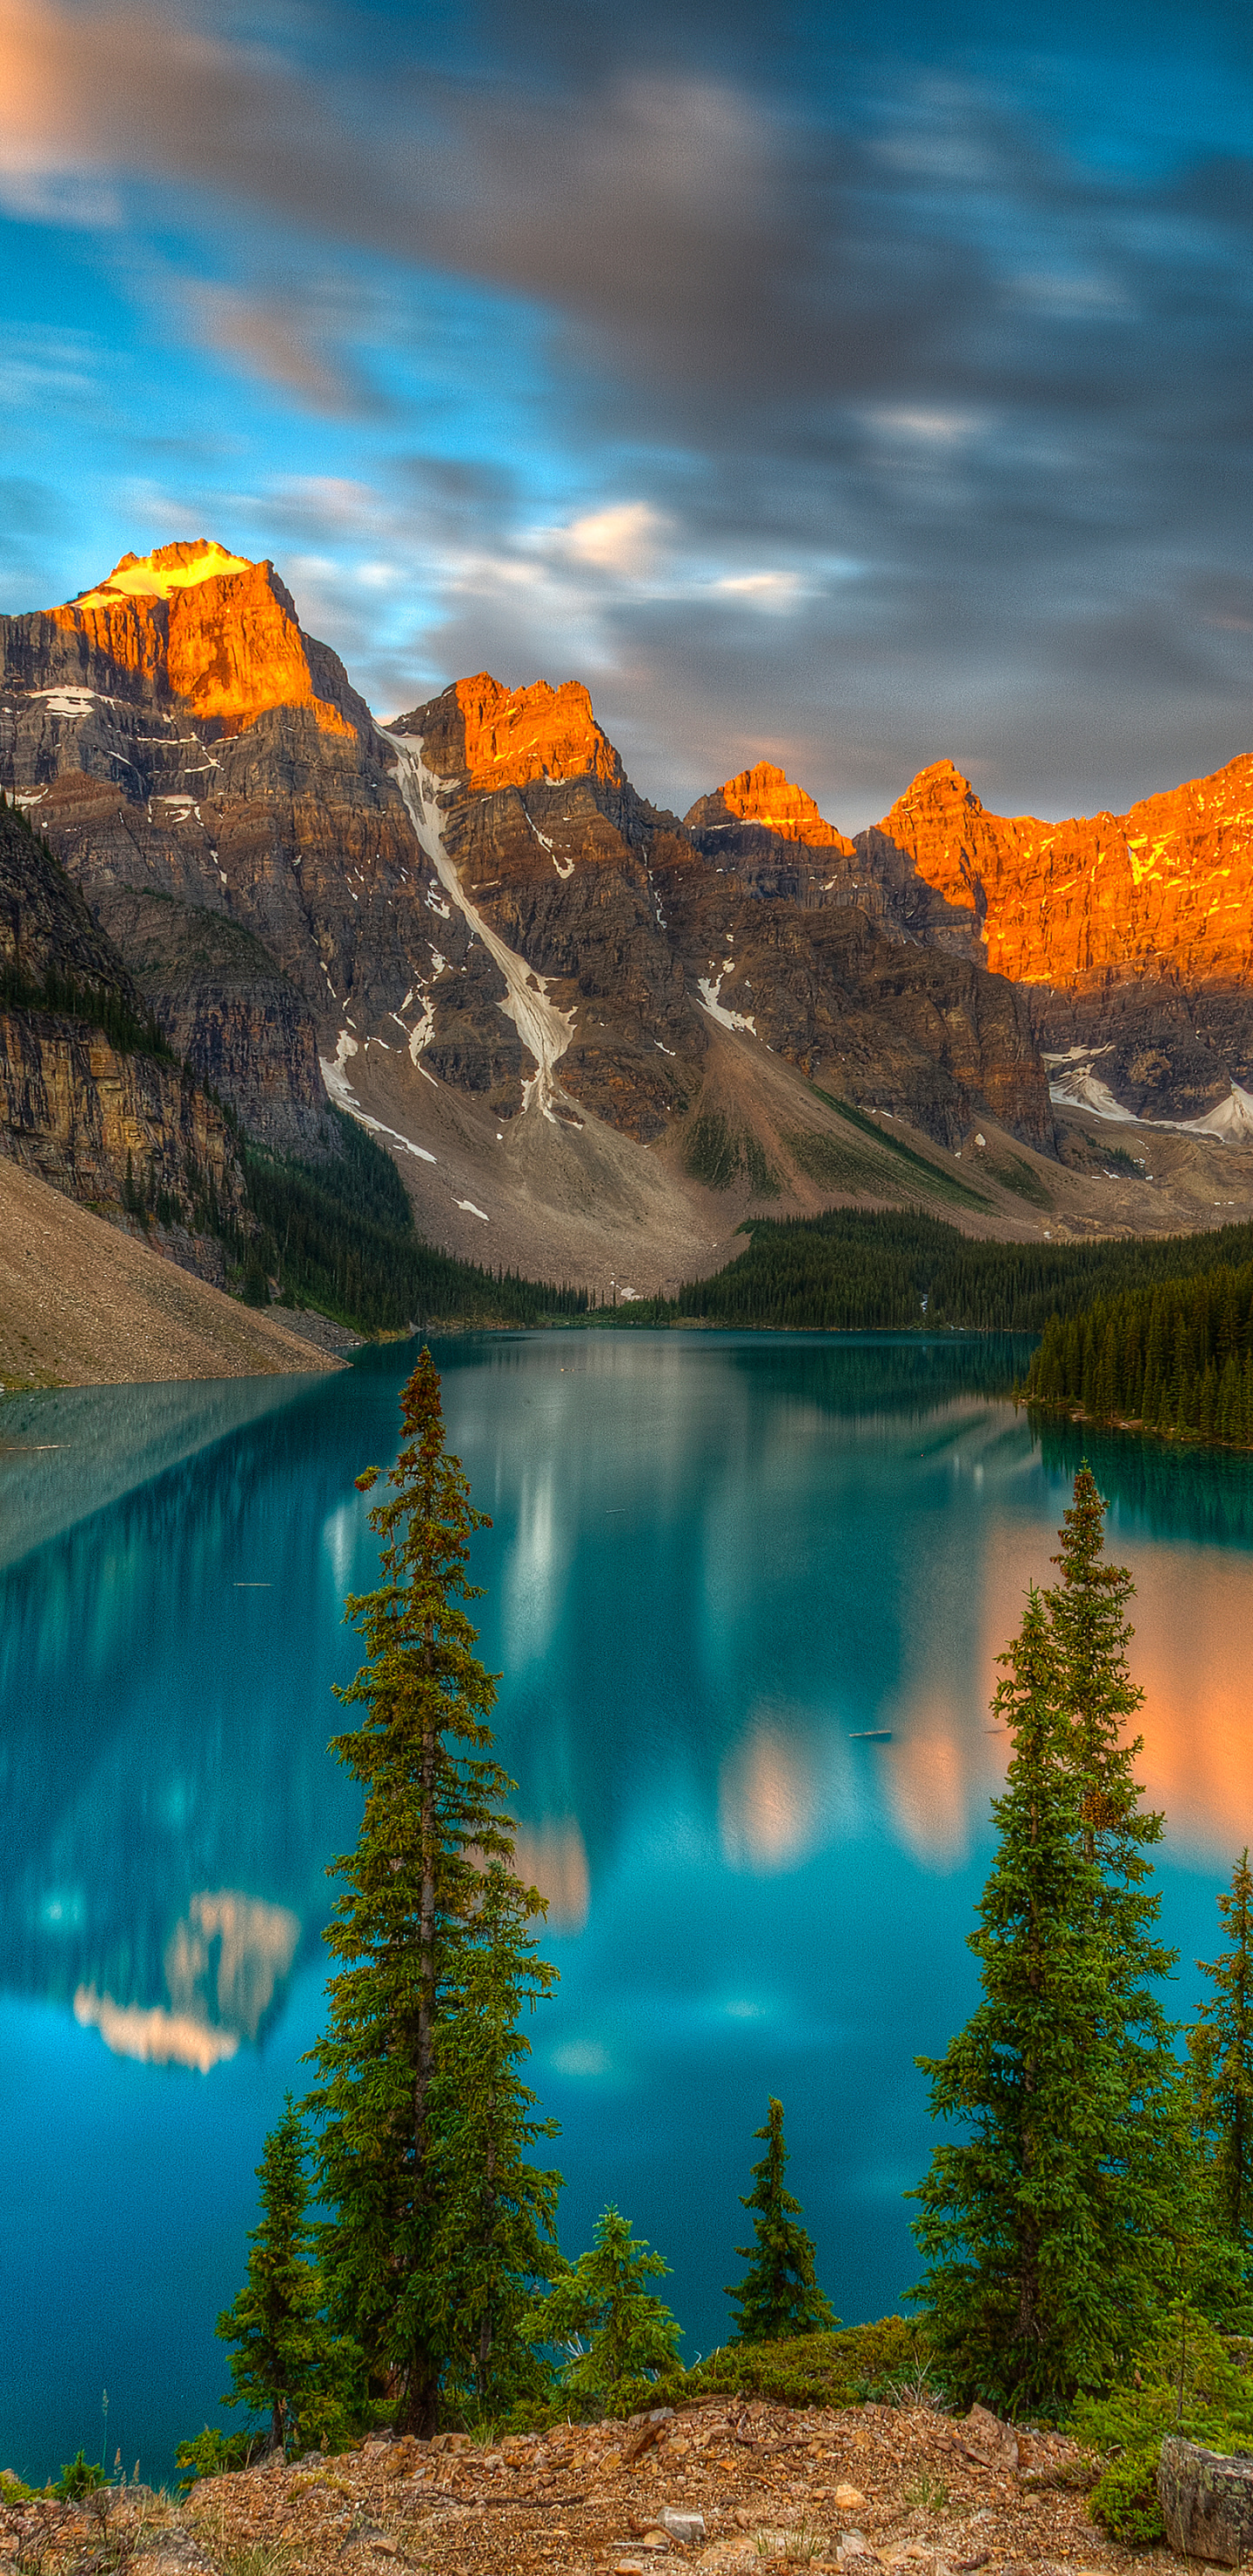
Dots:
(843, 385)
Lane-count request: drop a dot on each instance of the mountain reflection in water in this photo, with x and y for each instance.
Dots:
(716, 1562)
(681, 1529)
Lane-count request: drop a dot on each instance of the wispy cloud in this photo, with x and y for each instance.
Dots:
(288, 343)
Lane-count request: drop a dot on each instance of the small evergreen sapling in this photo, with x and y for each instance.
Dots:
(778, 2294)
(285, 2361)
(631, 2333)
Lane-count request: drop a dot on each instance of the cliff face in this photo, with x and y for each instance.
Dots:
(191, 623)
(1135, 929)
(174, 732)
(535, 936)
(99, 1118)
(856, 1007)
(493, 737)
(45, 925)
(772, 838)
(220, 1000)
(285, 832)
(750, 915)
(556, 864)
(80, 1113)
(766, 796)
(1165, 887)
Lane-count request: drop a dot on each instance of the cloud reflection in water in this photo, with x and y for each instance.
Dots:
(224, 1962)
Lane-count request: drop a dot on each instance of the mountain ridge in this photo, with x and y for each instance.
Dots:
(546, 994)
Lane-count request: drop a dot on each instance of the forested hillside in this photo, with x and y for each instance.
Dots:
(1174, 1358)
(848, 1271)
(338, 1235)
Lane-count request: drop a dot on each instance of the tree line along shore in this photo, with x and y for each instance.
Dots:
(1175, 1358)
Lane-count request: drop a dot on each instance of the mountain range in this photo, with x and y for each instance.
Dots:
(593, 1033)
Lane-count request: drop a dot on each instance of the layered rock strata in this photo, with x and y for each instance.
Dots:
(101, 1124)
(191, 624)
(101, 1119)
(1134, 931)
(557, 862)
(225, 1007)
(749, 914)
(856, 1007)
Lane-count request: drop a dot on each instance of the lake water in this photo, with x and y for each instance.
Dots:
(716, 1561)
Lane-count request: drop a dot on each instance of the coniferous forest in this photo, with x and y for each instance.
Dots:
(1086, 2224)
(850, 1270)
(1175, 1358)
(338, 1235)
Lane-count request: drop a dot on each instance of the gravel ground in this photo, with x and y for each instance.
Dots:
(83, 1304)
(727, 2484)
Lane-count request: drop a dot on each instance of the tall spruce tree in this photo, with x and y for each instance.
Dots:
(285, 2361)
(1220, 2046)
(1054, 2228)
(494, 2237)
(1098, 1699)
(1011, 2218)
(778, 2294)
(408, 1920)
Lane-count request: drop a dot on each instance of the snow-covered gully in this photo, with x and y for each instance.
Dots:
(544, 1030)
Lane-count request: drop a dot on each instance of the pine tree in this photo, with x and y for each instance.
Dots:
(285, 2360)
(631, 2333)
(1098, 1698)
(778, 2294)
(494, 2240)
(1012, 2215)
(1221, 2050)
(1056, 2229)
(407, 1920)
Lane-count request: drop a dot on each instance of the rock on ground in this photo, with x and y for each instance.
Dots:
(1207, 2502)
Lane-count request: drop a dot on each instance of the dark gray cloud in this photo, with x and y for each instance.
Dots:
(839, 313)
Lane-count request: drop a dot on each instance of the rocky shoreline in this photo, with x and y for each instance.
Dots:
(725, 2484)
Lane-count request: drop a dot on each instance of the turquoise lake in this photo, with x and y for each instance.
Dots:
(716, 1561)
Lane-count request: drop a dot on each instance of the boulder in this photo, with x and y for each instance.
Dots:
(988, 2440)
(679, 2525)
(1206, 2501)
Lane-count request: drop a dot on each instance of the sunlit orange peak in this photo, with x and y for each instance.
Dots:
(767, 796)
(165, 570)
(512, 735)
(220, 633)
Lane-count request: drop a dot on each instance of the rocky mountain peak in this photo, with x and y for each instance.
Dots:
(944, 836)
(767, 796)
(489, 736)
(180, 566)
(189, 626)
(937, 792)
